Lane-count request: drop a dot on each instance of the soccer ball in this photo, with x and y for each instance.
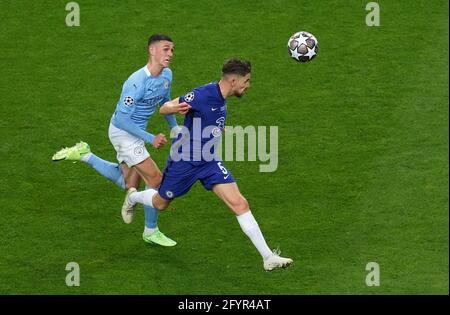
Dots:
(303, 46)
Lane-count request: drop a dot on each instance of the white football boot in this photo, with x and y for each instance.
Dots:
(275, 261)
(128, 208)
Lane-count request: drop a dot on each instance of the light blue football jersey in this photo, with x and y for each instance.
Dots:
(142, 94)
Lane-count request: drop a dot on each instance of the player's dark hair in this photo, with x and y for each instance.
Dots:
(158, 37)
(236, 66)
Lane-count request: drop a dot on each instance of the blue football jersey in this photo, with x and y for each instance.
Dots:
(205, 120)
(142, 94)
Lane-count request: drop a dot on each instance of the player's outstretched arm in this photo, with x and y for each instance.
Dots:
(124, 122)
(174, 106)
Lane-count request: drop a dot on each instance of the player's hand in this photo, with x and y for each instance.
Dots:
(159, 141)
(183, 108)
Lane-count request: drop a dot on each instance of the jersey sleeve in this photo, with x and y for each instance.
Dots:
(131, 93)
(194, 98)
(124, 122)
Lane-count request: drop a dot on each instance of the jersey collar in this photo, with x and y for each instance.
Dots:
(218, 91)
(147, 71)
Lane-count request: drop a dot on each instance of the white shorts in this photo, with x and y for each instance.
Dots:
(130, 149)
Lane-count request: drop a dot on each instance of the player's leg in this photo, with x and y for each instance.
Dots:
(82, 152)
(153, 202)
(132, 151)
(152, 176)
(232, 197)
(149, 197)
(130, 175)
(109, 170)
(150, 173)
(177, 180)
(230, 194)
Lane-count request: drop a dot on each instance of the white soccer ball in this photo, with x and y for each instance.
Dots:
(303, 46)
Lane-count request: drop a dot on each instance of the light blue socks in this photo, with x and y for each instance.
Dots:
(151, 216)
(113, 172)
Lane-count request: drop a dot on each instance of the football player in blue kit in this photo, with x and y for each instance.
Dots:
(193, 156)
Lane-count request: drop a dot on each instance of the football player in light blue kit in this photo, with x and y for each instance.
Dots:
(145, 90)
(206, 112)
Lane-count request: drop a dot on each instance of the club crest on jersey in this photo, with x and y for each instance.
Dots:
(216, 132)
(169, 194)
(189, 97)
(128, 101)
(166, 84)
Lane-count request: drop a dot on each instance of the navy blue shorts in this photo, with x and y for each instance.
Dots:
(179, 177)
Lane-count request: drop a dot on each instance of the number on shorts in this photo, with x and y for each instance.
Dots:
(222, 168)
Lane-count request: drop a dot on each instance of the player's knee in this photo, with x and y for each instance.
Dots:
(159, 203)
(162, 207)
(239, 205)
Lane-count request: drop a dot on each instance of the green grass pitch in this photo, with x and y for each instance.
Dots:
(363, 148)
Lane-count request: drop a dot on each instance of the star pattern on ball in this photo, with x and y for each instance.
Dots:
(311, 53)
(294, 53)
(301, 40)
(298, 48)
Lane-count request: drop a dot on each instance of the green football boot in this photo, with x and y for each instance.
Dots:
(158, 238)
(73, 153)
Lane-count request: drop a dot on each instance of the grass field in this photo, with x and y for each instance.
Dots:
(363, 148)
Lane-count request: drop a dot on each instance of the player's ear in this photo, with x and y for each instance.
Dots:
(151, 50)
(233, 80)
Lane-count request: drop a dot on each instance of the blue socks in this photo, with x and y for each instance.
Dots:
(151, 216)
(111, 171)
